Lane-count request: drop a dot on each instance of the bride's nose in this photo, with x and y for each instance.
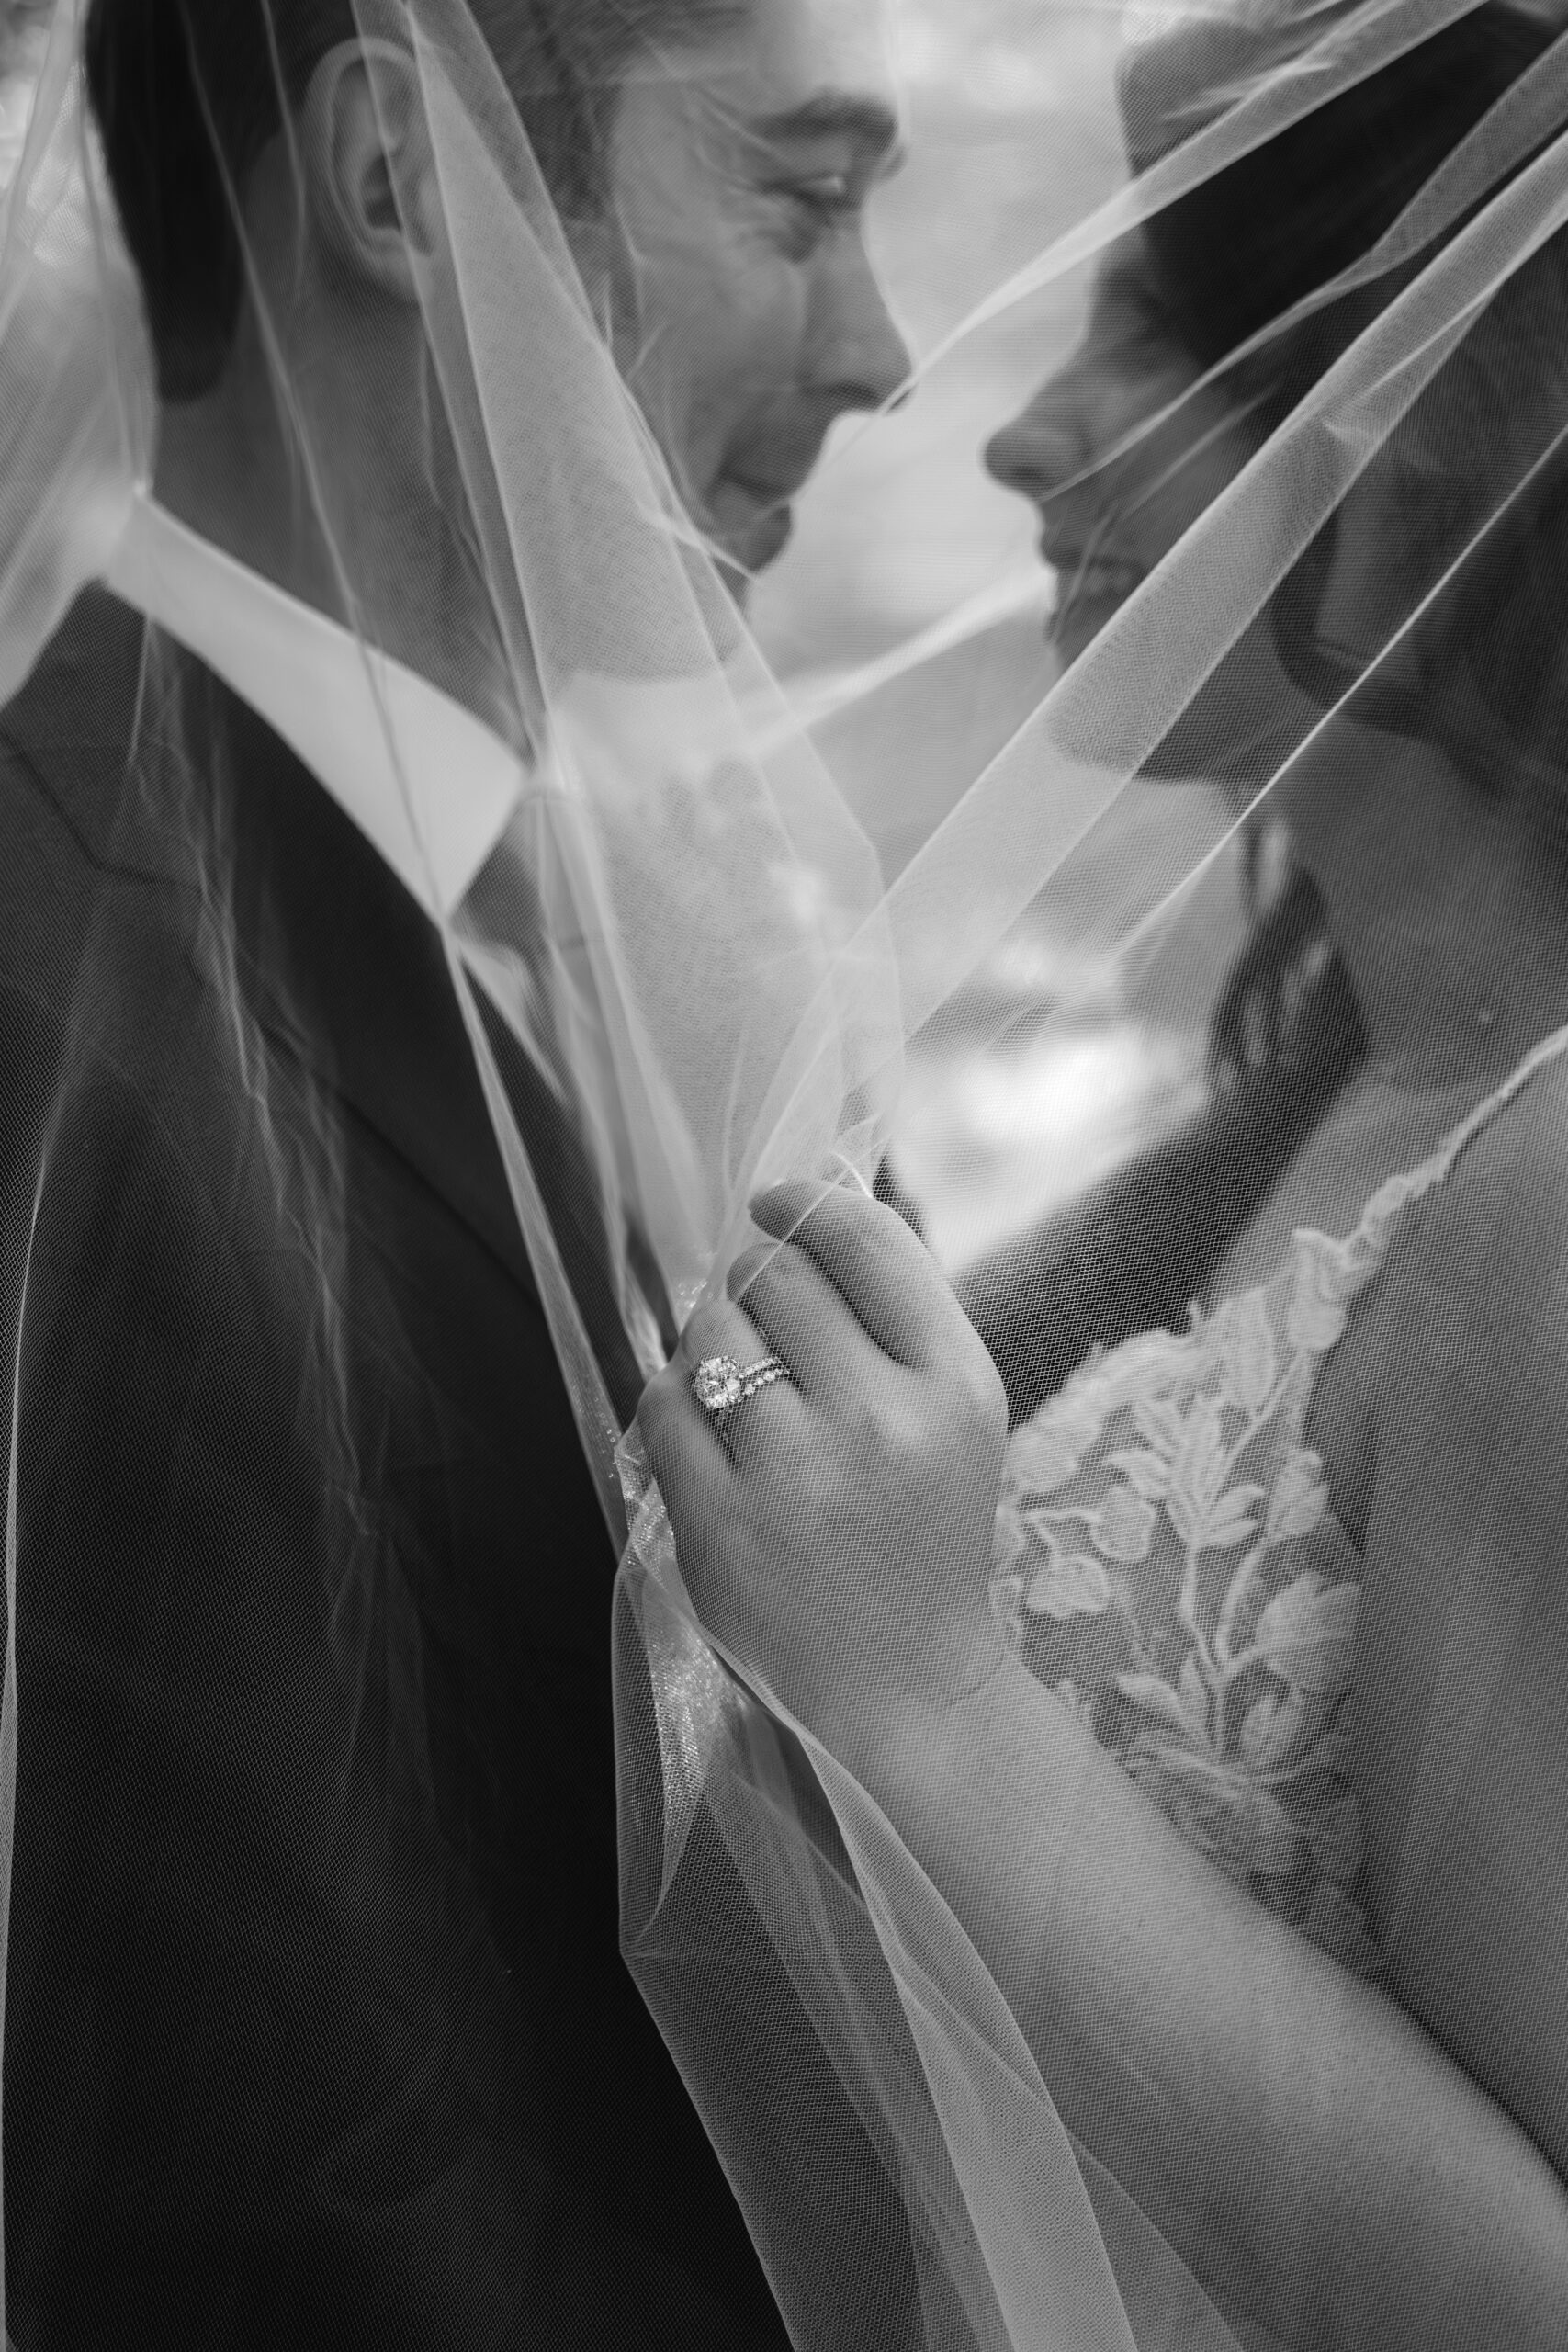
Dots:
(1043, 448)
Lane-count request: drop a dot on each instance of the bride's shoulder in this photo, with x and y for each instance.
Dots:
(1479, 1264)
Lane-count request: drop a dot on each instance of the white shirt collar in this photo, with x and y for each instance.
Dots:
(428, 784)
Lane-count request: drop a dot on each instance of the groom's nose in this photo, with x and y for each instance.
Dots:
(857, 356)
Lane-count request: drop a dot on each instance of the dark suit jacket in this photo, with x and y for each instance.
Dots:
(316, 2029)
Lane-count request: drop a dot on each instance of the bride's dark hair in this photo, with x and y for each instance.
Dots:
(1240, 252)
(1230, 259)
(188, 93)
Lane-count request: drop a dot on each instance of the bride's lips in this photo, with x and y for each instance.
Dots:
(1089, 589)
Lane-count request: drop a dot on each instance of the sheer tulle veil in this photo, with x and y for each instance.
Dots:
(750, 981)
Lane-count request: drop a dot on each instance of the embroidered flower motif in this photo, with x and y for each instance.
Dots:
(1148, 1367)
(1070, 1585)
(1206, 1513)
(1233, 1721)
(1298, 1498)
(1161, 1420)
(1246, 1350)
(1047, 1452)
(1185, 1465)
(1308, 1635)
(1124, 1529)
(1271, 1729)
(1317, 1313)
(1146, 1471)
(1184, 1708)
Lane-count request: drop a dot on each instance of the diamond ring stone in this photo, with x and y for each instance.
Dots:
(721, 1385)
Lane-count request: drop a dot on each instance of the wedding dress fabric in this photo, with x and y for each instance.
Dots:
(661, 964)
(1169, 1560)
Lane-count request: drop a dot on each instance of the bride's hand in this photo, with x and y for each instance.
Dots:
(838, 1544)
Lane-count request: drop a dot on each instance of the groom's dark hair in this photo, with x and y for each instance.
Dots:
(188, 93)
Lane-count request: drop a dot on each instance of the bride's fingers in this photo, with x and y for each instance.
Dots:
(720, 1328)
(696, 1475)
(808, 1323)
(884, 1274)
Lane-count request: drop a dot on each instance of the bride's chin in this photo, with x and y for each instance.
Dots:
(1210, 742)
(1074, 627)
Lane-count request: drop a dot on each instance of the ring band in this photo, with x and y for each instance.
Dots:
(721, 1385)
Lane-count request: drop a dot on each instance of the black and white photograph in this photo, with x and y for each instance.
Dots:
(784, 1175)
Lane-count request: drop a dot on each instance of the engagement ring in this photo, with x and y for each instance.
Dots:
(721, 1385)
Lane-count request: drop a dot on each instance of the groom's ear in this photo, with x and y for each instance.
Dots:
(366, 157)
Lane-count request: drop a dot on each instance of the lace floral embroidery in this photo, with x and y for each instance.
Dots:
(1168, 1563)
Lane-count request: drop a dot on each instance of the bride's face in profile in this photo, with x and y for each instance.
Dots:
(1122, 451)
(1125, 447)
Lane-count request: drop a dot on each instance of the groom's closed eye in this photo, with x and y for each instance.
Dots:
(818, 161)
(813, 210)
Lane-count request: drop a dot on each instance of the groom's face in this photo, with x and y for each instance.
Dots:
(754, 317)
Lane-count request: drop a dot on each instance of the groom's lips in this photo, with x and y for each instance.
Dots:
(766, 496)
(768, 520)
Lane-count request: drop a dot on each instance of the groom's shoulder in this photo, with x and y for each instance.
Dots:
(78, 709)
(65, 752)
(66, 748)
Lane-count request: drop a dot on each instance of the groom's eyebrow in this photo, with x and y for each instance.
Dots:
(866, 122)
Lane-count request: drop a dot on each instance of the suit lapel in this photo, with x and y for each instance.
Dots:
(349, 974)
(342, 968)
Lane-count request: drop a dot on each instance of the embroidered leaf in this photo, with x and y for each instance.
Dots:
(1232, 1519)
(1141, 1371)
(1246, 1350)
(1241, 1584)
(1194, 1695)
(1198, 1471)
(1308, 1635)
(1272, 1728)
(1046, 1454)
(1161, 1422)
(1156, 1698)
(1299, 1500)
(1072, 1586)
(1147, 1473)
(1188, 1522)
(1126, 1527)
